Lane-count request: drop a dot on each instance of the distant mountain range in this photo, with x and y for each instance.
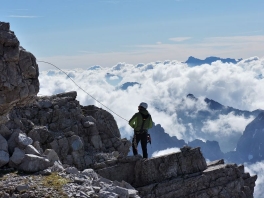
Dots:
(192, 61)
(127, 84)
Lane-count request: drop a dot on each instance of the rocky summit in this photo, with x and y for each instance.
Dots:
(18, 72)
(51, 146)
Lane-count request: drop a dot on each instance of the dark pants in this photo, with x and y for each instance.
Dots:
(143, 140)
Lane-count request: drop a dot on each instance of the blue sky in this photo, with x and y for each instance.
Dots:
(82, 33)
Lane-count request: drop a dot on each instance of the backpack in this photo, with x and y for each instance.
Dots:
(145, 117)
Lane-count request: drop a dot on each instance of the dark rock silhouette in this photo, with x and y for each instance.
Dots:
(250, 147)
(212, 111)
(192, 61)
(210, 149)
(128, 84)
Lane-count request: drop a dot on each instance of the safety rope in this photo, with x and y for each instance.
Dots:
(83, 89)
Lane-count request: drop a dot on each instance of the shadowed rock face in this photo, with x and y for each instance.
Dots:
(250, 145)
(182, 174)
(18, 72)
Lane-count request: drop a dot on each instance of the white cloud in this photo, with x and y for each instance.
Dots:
(180, 39)
(165, 152)
(163, 85)
(114, 78)
(257, 169)
(234, 47)
(226, 124)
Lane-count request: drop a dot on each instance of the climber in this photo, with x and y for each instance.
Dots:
(141, 122)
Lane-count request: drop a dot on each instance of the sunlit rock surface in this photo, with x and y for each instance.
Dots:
(18, 72)
(182, 174)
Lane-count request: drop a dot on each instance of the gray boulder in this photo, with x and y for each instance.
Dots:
(34, 163)
(71, 170)
(51, 155)
(4, 131)
(22, 140)
(12, 141)
(17, 156)
(41, 134)
(3, 144)
(4, 158)
(75, 143)
(31, 150)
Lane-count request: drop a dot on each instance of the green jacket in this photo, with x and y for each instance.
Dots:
(136, 121)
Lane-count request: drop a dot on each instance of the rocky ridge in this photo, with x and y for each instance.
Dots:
(51, 146)
(59, 128)
(18, 72)
(183, 174)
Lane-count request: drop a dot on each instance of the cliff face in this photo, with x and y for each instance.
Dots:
(18, 72)
(183, 174)
(250, 145)
(55, 134)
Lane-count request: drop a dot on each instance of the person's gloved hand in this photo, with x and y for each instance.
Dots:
(148, 138)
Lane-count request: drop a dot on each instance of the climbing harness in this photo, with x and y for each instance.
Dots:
(142, 130)
(148, 138)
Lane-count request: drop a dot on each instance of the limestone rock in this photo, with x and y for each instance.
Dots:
(57, 167)
(41, 134)
(96, 141)
(4, 158)
(182, 174)
(31, 150)
(216, 181)
(60, 123)
(22, 140)
(3, 144)
(75, 143)
(18, 73)
(5, 132)
(11, 141)
(90, 173)
(71, 170)
(34, 163)
(51, 155)
(17, 156)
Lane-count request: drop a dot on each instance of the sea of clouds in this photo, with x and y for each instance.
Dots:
(163, 85)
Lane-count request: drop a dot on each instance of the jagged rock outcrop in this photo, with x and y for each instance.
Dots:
(183, 174)
(79, 136)
(250, 146)
(18, 73)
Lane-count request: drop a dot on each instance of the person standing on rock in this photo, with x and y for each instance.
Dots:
(141, 122)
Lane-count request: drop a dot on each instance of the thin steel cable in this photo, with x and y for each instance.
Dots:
(83, 89)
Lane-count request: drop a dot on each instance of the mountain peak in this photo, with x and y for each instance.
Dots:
(192, 61)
